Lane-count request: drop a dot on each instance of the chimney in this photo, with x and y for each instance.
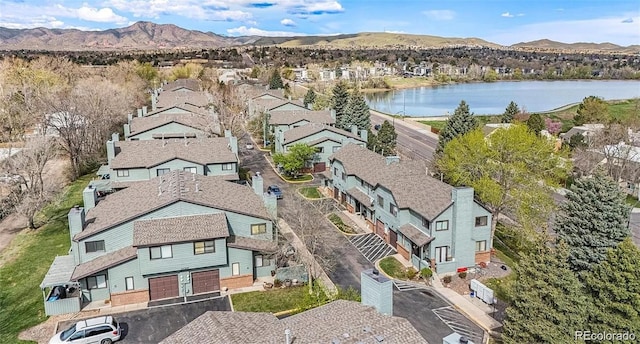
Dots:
(456, 338)
(309, 106)
(364, 135)
(333, 114)
(76, 225)
(111, 151)
(392, 159)
(139, 112)
(376, 291)
(287, 336)
(144, 111)
(354, 129)
(271, 203)
(233, 144)
(127, 130)
(227, 133)
(154, 100)
(129, 118)
(89, 197)
(258, 184)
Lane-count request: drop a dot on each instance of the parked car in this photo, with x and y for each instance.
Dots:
(275, 190)
(376, 127)
(103, 330)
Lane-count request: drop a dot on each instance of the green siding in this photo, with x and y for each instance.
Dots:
(169, 128)
(216, 170)
(183, 259)
(118, 274)
(236, 255)
(95, 294)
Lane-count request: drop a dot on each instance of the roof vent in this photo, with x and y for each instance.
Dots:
(159, 190)
(464, 340)
(379, 338)
(366, 329)
(375, 272)
(197, 187)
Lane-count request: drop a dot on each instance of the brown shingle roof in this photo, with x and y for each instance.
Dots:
(180, 229)
(149, 153)
(146, 196)
(348, 322)
(191, 84)
(181, 105)
(168, 99)
(251, 244)
(411, 187)
(306, 130)
(293, 116)
(414, 234)
(104, 262)
(141, 124)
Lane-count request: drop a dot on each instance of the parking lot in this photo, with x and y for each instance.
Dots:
(152, 325)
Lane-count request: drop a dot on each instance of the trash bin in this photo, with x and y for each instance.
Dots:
(472, 294)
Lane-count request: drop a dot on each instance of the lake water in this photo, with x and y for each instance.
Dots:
(493, 98)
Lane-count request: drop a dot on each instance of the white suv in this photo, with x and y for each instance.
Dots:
(103, 330)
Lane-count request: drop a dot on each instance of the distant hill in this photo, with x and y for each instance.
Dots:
(546, 44)
(151, 36)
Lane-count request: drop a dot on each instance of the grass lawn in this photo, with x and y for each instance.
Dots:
(301, 178)
(310, 192)
(393, 268)
(336, 220)
(502, 286)
(632, 201)
(277, 300)
(27, 259)
(435, 124)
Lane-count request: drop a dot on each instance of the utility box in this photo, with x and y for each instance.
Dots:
(377, 291)
(482, 291)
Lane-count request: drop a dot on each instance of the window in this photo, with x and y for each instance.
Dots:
(94, 246)
(201, 247)
(128, 283)
(191, 169)
(259, 261)
(393, 209)
(162, 171)
(344, 176)
(380, 201)
(319, 149)
(481, 221)
(425, 223)
(481, 246)
(97, 282)
(97, 331)
(77, 335)
(235, 269)
(228, 167)
(442, 225)
(161, 252)
(335, 148)
(258, 229)
(442, 254)
(335, 171)
(122, 173)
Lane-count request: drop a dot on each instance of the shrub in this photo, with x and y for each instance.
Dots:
(411, 273)
(446, 279)
(426, 273)
(463, 275)
(277, 283)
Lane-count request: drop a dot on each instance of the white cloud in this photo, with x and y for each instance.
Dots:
(252, 31)
(440, 14)
(214, 10)
(520, 14)
(103, 15)
(507, 15)
(288, 22)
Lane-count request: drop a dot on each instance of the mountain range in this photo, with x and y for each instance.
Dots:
(151, 36)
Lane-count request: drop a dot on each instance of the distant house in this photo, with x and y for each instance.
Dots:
(258, 103)
(284, 120)
(181, 91)
(586, 130)
(170, 126)
(175, 236)
(132, 161)
(626, 159)
(324, 138)
(429, 223)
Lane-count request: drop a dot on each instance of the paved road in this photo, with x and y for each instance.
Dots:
(413, 142)
(415, 305)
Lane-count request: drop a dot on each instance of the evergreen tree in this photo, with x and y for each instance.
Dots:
(548, 301)
(615, 287)
(340, 103)
(386, 141)
(594, 219)
(359, 111)
(535, 123)
(275, 82)
(460, 123)
(510, 112)
(372, 140)
(309, 98)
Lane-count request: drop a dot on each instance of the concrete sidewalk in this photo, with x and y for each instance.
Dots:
(411, 123)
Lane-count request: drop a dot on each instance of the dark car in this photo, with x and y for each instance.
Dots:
(376, 127)
(275, 190)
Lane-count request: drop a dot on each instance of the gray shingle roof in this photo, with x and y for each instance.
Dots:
(361, 197)
(293, 116)
(306, 130)
(180, 104)
(145, 196)
(141, 124)
(411, 186)
(251, 244)
(414, 234)
(169, 99)
(149, 153)
(104, 262)
(191, 84)
(180, 229)
(348, 322)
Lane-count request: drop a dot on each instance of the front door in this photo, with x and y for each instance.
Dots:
(393, 239)
(336, 192)
(380, 228)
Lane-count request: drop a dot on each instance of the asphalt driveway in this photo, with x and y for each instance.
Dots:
(152, 325)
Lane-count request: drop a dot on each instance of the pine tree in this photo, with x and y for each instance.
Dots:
(372, 140)
(309, 98)
(594, 219)
(386, 141)
(340, 103)
(359, 111)
(460, 123)
(615, 287)
(510, 112)
(548, 301)
(535, 123)
(275, 82)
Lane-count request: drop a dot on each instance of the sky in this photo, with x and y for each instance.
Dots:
(499, 21)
